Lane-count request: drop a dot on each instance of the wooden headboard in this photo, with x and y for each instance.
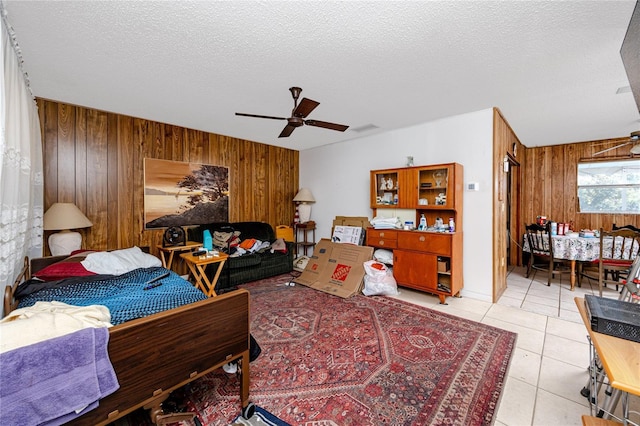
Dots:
(29, 268)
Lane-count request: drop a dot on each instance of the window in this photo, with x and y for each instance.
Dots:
(609, 187)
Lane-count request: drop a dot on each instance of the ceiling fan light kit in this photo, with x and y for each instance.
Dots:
(298, 115)
(634, 138)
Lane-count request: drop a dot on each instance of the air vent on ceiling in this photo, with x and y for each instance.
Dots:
(365, 128)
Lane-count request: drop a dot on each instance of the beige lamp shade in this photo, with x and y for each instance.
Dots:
(304, 196)
(64, 216)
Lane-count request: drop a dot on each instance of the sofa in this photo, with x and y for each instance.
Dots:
(249, 266)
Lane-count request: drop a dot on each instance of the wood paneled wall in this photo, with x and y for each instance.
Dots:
(506, 193)
(95, 160)
(550, 176)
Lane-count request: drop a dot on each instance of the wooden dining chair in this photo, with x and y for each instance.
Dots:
(614, 227)
(618, 249)
(541, 253)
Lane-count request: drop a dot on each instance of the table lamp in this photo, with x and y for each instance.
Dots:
(303, 198)
(64, 217)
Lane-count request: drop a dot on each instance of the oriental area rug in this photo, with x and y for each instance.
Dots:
(360, 361)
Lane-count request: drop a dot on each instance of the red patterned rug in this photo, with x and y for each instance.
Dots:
(361, 361)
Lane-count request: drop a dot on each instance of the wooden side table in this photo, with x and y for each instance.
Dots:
(164, 251)
(304, 241)
(197, 265)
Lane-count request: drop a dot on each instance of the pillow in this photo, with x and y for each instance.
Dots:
(384, 256)
(279, 245)
(69, 267)
(118, 262)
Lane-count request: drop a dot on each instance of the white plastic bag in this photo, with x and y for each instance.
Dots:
(378, 279)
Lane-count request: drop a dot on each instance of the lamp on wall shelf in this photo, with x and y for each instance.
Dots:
(303, 198)
(64, 217)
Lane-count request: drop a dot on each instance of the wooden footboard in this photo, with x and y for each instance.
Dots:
(155, 355)
(158, 354)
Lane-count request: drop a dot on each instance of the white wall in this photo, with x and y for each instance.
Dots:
(338, 176)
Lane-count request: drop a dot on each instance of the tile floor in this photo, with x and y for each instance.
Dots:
(549, 365)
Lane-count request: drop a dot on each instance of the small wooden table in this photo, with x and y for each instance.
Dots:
(620, 358)
(189, 246)
(197, 265)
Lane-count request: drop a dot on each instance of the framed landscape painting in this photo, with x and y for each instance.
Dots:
(178, 193)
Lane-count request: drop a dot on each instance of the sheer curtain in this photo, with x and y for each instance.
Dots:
(21, 170)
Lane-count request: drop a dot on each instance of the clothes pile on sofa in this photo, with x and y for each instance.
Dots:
(231, 243)
(255, 252)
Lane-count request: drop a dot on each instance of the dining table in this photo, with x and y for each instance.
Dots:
(575, 249)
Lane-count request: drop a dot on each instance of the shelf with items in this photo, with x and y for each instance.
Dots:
(389, 189)
(430, 259)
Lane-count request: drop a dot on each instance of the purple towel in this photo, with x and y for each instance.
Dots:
(55, 381)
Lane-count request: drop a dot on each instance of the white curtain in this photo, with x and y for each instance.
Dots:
(21, 170)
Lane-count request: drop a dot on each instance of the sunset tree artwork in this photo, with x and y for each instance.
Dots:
(178, 193)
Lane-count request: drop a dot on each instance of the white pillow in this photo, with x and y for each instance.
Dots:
(384, 256)
(118, 262)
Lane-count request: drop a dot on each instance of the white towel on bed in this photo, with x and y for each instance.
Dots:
(45, 320)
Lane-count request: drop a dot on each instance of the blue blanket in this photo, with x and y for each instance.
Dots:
(57, 380)
(124, 295)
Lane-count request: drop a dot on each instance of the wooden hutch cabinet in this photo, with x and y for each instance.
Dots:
(428, 260)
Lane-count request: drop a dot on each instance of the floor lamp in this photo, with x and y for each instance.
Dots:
(64, 217)
(303, 198)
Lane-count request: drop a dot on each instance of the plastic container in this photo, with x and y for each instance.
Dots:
(452, 225)
(207, 240)
(554, 228)
(423, 223)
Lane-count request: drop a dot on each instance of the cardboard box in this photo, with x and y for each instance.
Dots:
(348, 234)
(358, 221)
(336, 268)
(443, 265)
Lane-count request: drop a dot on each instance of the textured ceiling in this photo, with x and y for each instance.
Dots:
(552, 67)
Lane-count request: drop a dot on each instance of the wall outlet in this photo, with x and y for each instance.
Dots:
(473, 186)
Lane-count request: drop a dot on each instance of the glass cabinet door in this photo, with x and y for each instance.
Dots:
(433, 188)
(385, 188)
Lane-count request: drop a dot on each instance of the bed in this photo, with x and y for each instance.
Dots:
(157, 354)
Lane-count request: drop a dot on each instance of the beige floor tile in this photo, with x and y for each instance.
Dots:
(528, 339)
(517, 404)
(547, 301)
(510, 301)
(453, 310)
(468, 304)
(552, 292)
(514, 291)
(553, 410)
(566, 350)
(518, 316)
(569, 305)
(572, 316)
(519, 284)
(563, 379)
(537, 308)
(567, 329)
(525, 366)
(416, 297)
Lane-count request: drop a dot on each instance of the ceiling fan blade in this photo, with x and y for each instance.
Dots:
(326, 125)
(305, 107)
(260, 116)
(611, 149)
(288, 129)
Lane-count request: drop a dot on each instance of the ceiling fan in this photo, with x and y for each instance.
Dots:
(634, 139)
(298, 115)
